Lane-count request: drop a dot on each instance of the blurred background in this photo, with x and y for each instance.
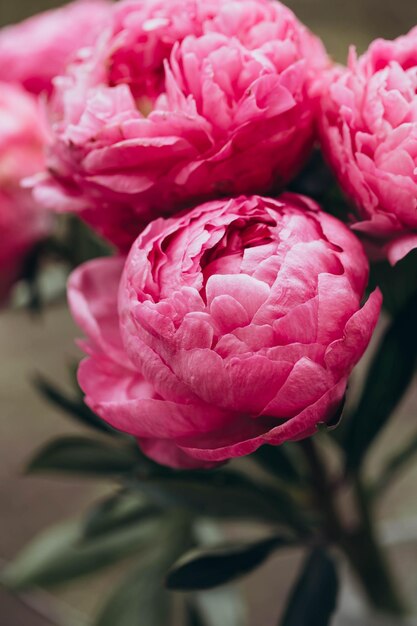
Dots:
(339, 23)
(46, 345)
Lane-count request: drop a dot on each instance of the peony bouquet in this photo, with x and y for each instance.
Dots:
(233, 211)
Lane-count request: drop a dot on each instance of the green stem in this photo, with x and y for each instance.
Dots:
(322, 491)
(360, 546)
(368, 560)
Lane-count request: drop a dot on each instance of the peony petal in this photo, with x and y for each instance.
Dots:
(300, 324)
(92, 297)
(343, 354)
(223, 445)
(173, 106)
(306, 383)
(249, 292)
(400, 247)
(130, 404)
(337, 302)
(196, 331)
(255, 381)
(228, 313)
(166, 452)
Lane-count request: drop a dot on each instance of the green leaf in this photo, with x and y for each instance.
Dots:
(62, 553)
(394, 466)
(313, 599)
(140, 600)
(223, 606)
(82, 243)
(389, 376)
(118, 511)
(280, 461)
(193, 617)
(224, 494)
(317, 181)
(82, 455)
(204, 568)
(30, 275)
(397, 283)
(71, 406)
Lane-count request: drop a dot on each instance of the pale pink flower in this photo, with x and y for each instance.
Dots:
(368, 126)
(33, 52)
(179, 102)
(22, 221)
(233, 325)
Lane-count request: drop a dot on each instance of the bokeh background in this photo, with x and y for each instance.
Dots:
(46, 345)
(339, 22)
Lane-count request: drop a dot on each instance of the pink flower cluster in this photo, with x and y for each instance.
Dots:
(22, 222)
(33, 52)
(233, 325)
(368, 126)
(229, 320)
(178, 102)
(31, 55)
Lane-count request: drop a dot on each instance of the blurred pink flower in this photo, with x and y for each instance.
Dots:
(33, 52)
(22, 221)
(369, 134)
(234, 325)
(179, 102)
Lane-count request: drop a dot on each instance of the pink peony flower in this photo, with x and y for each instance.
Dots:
(179, 102)
(369, 134)
(233, 325)
(33, 52)
(22, 221)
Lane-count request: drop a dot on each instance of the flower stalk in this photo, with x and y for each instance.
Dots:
(360, 545)
(367, 558)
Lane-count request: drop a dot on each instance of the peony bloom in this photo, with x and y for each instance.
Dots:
(22, 221)
(233, 325)
(178, 102)
(369, 134)
(33, 52)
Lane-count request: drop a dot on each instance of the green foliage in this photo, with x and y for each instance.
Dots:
(313, 599)
(30, 276)
(223, 605)
(317, 181)
(71, 244)
(81, 243)
(139, 600)
(63, 553)
(224, 494)
(193, 616)
(283, 462)
(122, 509)
(73, 406)
(397, 283)
(395, 464)
(83, 455)
(207, 567)
(389, 376)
